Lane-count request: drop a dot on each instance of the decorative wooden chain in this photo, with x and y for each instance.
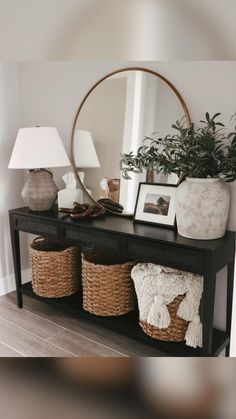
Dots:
(92, 211)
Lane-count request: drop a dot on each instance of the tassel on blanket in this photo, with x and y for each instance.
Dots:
(186, 308)
(193, 334)
(159, 315)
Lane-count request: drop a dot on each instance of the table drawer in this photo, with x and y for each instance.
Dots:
(30, 225)
(172, 256)
(93, 238)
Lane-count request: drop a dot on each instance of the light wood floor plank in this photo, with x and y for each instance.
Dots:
(82, 347)
(39, 326)
(30, 304)
(6, 351)
(26, 343)
(97, 333)
(105, 336)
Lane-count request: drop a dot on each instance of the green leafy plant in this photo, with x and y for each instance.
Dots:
(195, 151)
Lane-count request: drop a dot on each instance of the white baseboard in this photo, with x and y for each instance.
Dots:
(7, 283)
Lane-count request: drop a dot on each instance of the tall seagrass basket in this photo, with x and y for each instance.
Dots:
(169, 303)
(108, 289)
(175, 332)
(55, 268)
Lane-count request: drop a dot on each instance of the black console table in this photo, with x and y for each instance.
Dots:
(142, 243)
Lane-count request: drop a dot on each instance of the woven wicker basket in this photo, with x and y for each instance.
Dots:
(55, 268)
(175, 332)
(108, 289)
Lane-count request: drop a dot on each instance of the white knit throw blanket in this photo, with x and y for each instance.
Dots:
(157, 286)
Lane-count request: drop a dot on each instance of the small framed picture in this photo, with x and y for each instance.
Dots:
(156, 204)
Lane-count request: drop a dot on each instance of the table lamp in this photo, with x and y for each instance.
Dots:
(38, 149)
(84, 152)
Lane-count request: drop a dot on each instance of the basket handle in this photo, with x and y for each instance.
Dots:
(38, 239)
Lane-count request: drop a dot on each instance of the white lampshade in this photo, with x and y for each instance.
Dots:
(38, 147)
(84, 150)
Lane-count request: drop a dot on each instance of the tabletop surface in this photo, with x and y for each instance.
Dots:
(126, 226)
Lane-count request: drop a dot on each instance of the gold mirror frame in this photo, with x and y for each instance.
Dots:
(172, 87)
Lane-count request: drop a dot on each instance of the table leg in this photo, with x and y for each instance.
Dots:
(208, 303)
(15, 242)
(230, 288)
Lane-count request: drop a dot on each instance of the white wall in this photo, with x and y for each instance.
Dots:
(11, 181)
(52, 92)
(117, 29)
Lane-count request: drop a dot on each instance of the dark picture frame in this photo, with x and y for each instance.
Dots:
(155, 204)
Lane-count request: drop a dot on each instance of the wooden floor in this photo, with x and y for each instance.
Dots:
(39, 330)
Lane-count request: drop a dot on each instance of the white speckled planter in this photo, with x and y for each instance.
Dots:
(202, 208)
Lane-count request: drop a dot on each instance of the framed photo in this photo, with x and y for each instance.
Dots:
(156, 204)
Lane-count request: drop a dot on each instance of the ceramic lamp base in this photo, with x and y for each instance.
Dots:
(40, 191)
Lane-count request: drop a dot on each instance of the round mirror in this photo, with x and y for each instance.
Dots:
(113, 118)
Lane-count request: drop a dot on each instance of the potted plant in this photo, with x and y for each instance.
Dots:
(204, 158)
